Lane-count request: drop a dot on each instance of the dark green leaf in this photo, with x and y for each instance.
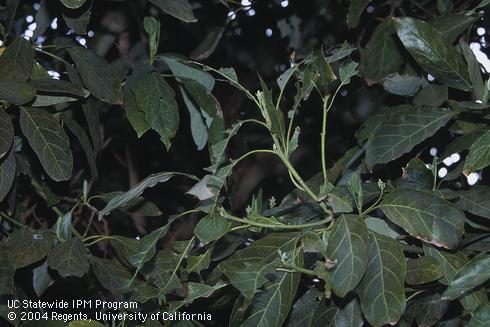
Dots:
(303, 311)
(78, 21)
(186, 72)
(199, 129)
(430, 309)
(97, 75)
(399, 133)
(479, 155)
(6, 273)
(356, 8)
(475, 200)
(425, 216)
(347, 252)
(16, 93)
(403, 84)
(180, 9)
(381, 56)
(347, 70)
(198, 263)
(423, 270)
(6, 132)
(91, 113)
(26, 246)
(452, 26)
(49, 141)
(381, 227)
(474, 71)
(111, 275)
(69, 258)
(433, 52)
(135, 116)
(156, 99)
(152, 27)
(7, 174)
(58, 87)
(50, 100)
(432, 95)
(480, 317)
(73, 4)
(207, 46)
(16, 61)
(247, 269)
(472, 274)
(138, 205)
(381, 290)
(417, 175)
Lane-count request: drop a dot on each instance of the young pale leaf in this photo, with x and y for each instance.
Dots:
(17, 60)
(425, 216)
(475, 200)
(138, 205)
(124, 198)
(26, 246)
(69, 258)
(403, 84)
(97, 75)
(152, 27)
(340, 53)
(430, 309)
(399, 133)
(16, 93)
(347, 70)
(472, 274)
(49, 141)
(270, 307)
(247, 269)
(423, 270)
(180, 9)
(63, 226)
(199, 129)
(433, 52)
(356, 8)
(347, 251)
(381, 290)
(479, 155)
(156, 99)
(7, 174)
(6, 132)
(381, 56)
(73, 4)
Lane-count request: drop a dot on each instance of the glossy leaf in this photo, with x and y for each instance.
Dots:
(6, 132)
(347, 251)
(186, 72)
(475, 200)
(303, 311)
(433, 52)
(381, 290)
(479, 155)
(97, 75)
(423, 270)
(180, 9)
(69, 258)
(49, 141)
(17, 60)
(400, 132)
(425, 216)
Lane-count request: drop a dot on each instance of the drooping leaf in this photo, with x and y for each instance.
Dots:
(78, 21)
(7, 174)
(180, 9)
(73, 4)
(69, 258)
(199, 129)
(475, 200)
(347, 252)
(97, 75)
(26, 246)
(425, 216)
(156, 99)
(207, 46)
(152, 27)
(332, 314)
(49, 141)
(6, 132)
(356, 8)
(138, 205)
(16, 61)
(247, 269)
(124, 198)
(381, 56)
(198, 263)
(341, 52)
(381, 290)
(302, 313)
(186, 72)
(399, 133)
(423, 270)
(472, 274)
(92, 117)
(16, 93)
(479, 155)
(54, 86)
(433, 52)
(474, 71)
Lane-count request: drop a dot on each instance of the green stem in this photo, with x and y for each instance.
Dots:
(264, 225)
(236, 161)
(375, 204)
(291, 268)
(327, 105)
(13, 221)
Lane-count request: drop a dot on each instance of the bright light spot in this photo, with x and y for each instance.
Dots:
(479, 101)
(70, 31)
(268, 32)
(431, 78)
(316, 280)
(1, 43)
(370, 9)
(442, 172)
(137, 238)
(246, 3)
(40, 39)
(428, 166)
(433, 151)
(251, 12)
(480, 55)
(36, 6)
(54, 74)
(27, 37)
(231, 15)
(284, 3)
(32, 26)
(481, 31)
(90, 33)
(448, 161)
(29, 33)
(54, 23)
(455, 157)
(29, 19)
(82, 41)
(473, 178)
